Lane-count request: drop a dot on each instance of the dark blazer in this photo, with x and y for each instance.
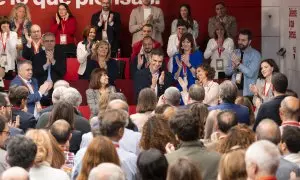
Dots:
(27, 120)
(113, 32)
(112, 70)
(75, 141)
(143, 79)
(32, 98)
(27, 53)
(58, 70)
(269, 110)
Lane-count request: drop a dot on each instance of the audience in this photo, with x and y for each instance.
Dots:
(185, 15)
(290, 144)
(4, 135)
(184, 169)
(99, 85)
(186, 129)
(156, 133)
(232, 165)
(270, 109)
(15, 173)
(222, 17)
(289, 112)
(262, 160)
(147, 101)
(107, 170)
(108, 25)
(146, 14)
(152, 164)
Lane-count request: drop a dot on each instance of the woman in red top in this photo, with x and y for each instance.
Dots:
(64, 27)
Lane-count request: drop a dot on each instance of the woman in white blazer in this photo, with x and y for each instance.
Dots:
(218, 49)
(84, 47)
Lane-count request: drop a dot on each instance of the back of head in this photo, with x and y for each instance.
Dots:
(267, 129)
(3, 100)
(57, 93)
(61, 131)
(263, 156)
(62, 110)
(117, 95)
(226, 120)
(232, 165)
(15, 173)
(197, 93)
(72, 96)
(183, 169)
(290, 108)
(17, 95)
(291, 137)
(185, 126)
(228, 91)
(146, 100)
(200, 112)
(43, 142)
(172, 96)
(279, 82)
(61, 83)
(112, 121)
(21, 151)
(118, 104)
(152, 164)
(107, 171)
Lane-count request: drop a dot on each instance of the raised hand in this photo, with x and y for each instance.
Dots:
(140, 61)
(178, 62)
(111, 18)
(57, 18)
(183, 83)
(28, 38)
(161, 80)
(154, 81)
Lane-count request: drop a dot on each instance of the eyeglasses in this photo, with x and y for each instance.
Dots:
(7, 132)
(49, 41)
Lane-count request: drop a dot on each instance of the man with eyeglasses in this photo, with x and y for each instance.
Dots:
(34, 42)
(4, 134)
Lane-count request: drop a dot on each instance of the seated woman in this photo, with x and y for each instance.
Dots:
(64, 28)
(186, 61)
(20, 21)
(100, 58)
(263, 90)
(205, 75)
(218, 49)
(186, 15)
(8, 51)
(98, 86)
(84, 47)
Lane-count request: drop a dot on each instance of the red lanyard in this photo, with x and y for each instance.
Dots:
(63, 26)
(4, 43)
(220, 49)
(36, 46)
(20, 30)
(265, 86)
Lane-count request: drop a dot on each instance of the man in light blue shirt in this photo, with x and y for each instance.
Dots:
(244, 64)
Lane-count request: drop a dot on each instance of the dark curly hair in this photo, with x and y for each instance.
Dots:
(200, 111)
(156, 134)
(272, 63)
(21, 151)
(210, 71)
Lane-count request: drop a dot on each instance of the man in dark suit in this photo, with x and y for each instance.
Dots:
(24, 78)
(152, 76)
(108, 26)
(50, 64)
(270, 109)
(34, 42)
(18, 97)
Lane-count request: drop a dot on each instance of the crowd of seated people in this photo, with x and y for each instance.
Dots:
(231, 117)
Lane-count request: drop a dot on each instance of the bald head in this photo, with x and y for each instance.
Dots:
(267, 129)
(118, 104)
(61, 130)
(290, 109)
(36, 32)
(15, 173)
(106, 171)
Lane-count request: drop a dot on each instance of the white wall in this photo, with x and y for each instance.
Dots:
(275, 35)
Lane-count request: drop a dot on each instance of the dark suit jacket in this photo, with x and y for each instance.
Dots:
(75, 141)
(27, 120)
(58, 70)
(113, 32)
(32, 98)
(143, 79)
(27, 53)
(269, 110)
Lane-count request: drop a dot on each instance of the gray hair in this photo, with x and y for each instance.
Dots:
(57, 93)
(21, 63)
(265, 155)
(172, 96)
(228, 91)
(197, 93)
(106, 171)
(60, 83)
(47, 34)
(15, 173)
(267, 129)
(118, 104)
(72, 96)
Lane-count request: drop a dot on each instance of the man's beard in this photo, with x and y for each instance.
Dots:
(147, 51)
(243, 47)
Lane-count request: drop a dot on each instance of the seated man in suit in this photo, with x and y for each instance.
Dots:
(24, 78)
(50, 64)
(152, 76)
(34, 42)
(18, 97)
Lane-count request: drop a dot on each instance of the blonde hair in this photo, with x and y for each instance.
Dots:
(95, 48)
(43, 142)
(13, 13)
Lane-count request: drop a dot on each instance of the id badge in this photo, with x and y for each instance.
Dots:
(238, 78)
(219, 64)
(19, 42)
(63, 39)
(3, 60)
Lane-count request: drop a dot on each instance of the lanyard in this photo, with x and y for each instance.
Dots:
(4, 42)
(220, 51)
(265, 86)
(36, 46)
(63, 26)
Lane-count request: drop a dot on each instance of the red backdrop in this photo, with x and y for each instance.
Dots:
(248, 14)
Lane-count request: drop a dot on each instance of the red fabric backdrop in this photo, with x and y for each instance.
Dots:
(247, 12)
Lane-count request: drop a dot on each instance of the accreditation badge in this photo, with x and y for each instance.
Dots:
(238, 78)
(3, 60)
(219, 64)
(63, 39)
